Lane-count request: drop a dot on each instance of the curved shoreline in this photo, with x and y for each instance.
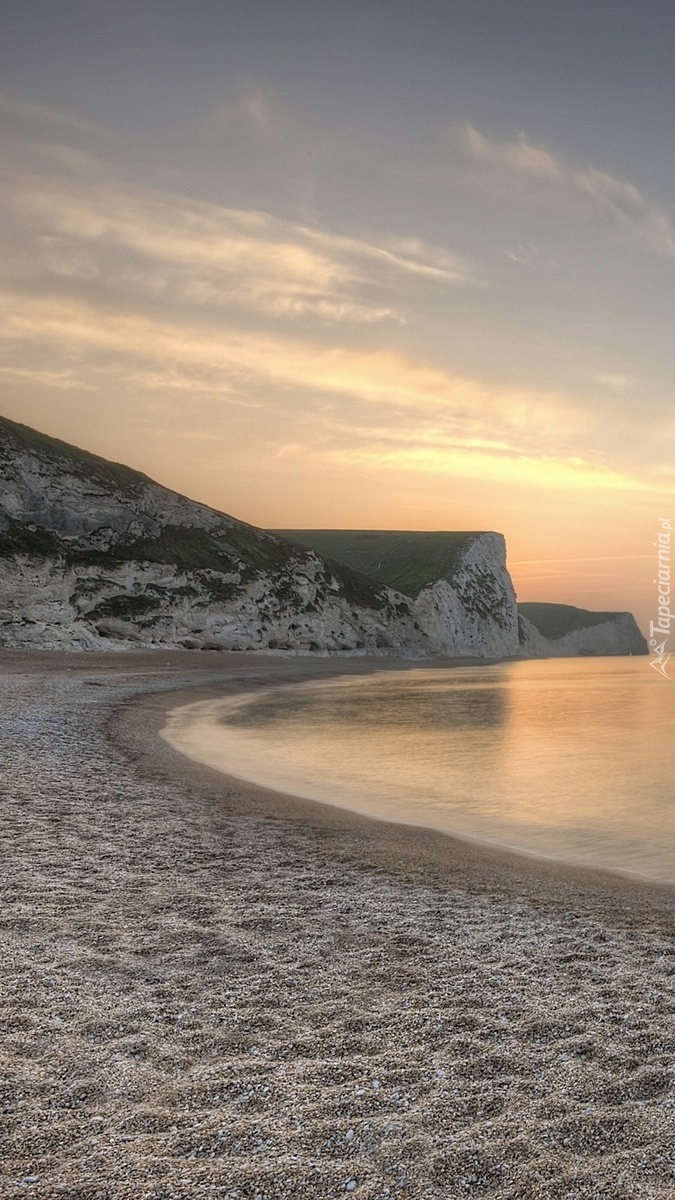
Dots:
(412, 853)
(210, 989)
(200, 736)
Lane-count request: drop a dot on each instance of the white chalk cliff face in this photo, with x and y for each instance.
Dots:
(617, 635)
(474, 612)
(94, 555)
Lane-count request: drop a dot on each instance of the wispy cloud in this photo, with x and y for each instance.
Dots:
(429, 410)
(409, 255)
(254, 107)
(376, 412)
(211, 254)
(472, 446)
(66, 380)
(524, 254)
(259, 108)
(615, 380)
(619, 200)
(595, 558)
(292, 329)
(51, 118)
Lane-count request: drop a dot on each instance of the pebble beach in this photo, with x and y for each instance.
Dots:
(212, 990)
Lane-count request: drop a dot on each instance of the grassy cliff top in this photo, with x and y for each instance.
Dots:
(555, 620)
(188, 546)
(80, 462)
(403, 559)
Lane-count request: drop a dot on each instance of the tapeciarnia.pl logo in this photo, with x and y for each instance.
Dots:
(662, 624)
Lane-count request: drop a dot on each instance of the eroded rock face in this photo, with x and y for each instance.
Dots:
(474, 611)
(94, 555)
(618, 635)
(45, 603)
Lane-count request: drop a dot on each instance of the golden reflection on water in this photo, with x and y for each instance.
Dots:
(568, 758)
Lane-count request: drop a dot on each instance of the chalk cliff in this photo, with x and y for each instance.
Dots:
(576, 631)
(463, 596)
(473, 611)
(461, 591)
(94, 555)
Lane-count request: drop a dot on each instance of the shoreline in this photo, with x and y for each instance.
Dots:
(509, 868)
(404, 847)
(214, 992)
(247, 775)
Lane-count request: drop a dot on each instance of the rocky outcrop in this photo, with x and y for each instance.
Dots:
(45, 602)
(618, 633)
(94, 555)
(463, 597)
(473, 611)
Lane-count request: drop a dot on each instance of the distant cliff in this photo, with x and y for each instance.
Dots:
(464, 598)
(561, 630)
(460, 590)
(94, 555)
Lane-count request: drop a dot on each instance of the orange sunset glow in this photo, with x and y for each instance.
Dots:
(256, 302)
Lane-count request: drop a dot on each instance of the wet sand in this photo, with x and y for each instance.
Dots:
(209, 989)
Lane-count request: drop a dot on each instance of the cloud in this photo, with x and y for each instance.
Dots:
(40, 114)
(259, 109)
(284, 326)
(489, 445)
(211, 254)
(408, 255)
(518, 156)
(419, 404)
(524, 254)
(65, 380)
(375, 410)
(462, 462)
(254, 106)
(595, 558)
(617, 199)
(615, 380)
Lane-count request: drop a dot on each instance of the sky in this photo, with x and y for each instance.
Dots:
(359, 265)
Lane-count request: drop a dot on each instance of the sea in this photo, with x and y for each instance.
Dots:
(566, 759)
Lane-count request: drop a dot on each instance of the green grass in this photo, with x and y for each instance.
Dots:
(21, 539)
(124, 607)
(404, 560)
(238, 548)
(257, 548)
(81, 462)
(183, 546)
(190, 548)
(555, 620)
(358, 589)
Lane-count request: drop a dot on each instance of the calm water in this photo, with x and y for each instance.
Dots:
(572, 759)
